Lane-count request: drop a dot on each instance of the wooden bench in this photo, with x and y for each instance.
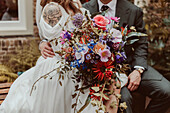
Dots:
(139, 101)
(4, 88)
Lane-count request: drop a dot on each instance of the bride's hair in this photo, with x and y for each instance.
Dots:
(66, 4)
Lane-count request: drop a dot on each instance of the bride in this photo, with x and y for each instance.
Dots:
(48, 96)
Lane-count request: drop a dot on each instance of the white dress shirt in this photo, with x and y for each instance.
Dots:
(111, 12)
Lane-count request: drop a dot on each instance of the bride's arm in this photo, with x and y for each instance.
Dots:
(52, 14)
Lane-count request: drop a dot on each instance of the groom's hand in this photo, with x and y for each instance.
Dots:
(46, 50)
(134, 80)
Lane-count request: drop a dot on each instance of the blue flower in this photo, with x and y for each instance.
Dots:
(75, 63)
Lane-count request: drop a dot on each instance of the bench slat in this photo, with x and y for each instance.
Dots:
(4, 91)
(2, 97)
(1, 102)
(4, 88)
(5, 85)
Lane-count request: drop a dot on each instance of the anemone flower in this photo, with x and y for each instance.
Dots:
(104, 55)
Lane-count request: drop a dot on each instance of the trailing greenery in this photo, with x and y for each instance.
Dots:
(25, 57)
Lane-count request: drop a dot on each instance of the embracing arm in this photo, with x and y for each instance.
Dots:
(141, 46)
(140, 52)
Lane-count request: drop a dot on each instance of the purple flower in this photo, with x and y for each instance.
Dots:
(123, 55)
(119, 59)
(77, 20)
(67, 35)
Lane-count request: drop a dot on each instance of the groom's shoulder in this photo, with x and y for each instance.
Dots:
(129, 5)
(124, 4)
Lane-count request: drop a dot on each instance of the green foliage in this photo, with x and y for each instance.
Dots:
(157, 21)
(25, 57)
(6, 74)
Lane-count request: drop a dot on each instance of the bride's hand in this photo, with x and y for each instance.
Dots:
(46, 50)
(79, 4)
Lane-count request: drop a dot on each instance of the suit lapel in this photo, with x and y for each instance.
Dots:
(122, 11)
(94, 7)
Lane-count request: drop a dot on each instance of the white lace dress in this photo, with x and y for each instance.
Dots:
(49, 96)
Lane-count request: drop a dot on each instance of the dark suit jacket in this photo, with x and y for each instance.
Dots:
(133, 16)
(137, 52)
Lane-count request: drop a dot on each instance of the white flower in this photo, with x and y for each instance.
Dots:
(116, 34)
(80, 55)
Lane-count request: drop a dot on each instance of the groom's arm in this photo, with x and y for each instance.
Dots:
(140, 51)
(141, 46)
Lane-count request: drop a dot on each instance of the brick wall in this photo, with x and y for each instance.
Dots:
(9, 45)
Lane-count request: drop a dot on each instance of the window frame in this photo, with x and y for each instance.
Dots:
(23, 26)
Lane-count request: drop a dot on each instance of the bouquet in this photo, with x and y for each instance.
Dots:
(97, 55)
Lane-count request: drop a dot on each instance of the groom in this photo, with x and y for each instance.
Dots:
(143, 78)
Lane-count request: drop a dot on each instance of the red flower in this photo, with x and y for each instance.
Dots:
(103, 70)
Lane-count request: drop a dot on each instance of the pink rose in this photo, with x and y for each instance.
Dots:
(101, 21)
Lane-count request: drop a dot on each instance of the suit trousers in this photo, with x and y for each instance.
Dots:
(157, 88)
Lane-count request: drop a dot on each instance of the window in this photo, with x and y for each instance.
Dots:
(16, 17)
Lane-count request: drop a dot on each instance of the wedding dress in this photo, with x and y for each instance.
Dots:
(48, 95)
